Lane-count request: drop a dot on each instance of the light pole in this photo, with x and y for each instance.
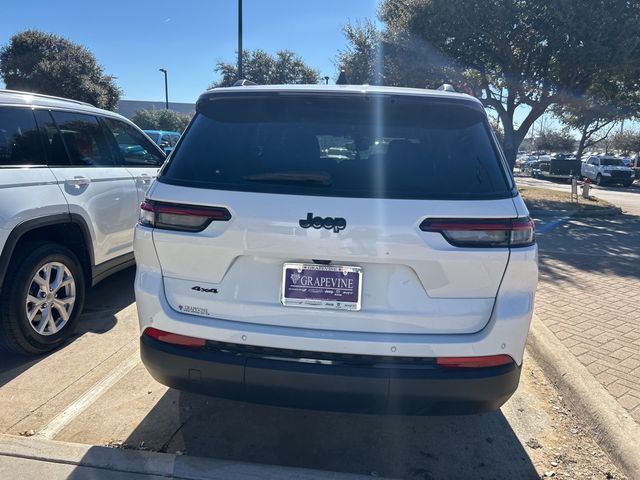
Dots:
(240, 74)
(166, 88)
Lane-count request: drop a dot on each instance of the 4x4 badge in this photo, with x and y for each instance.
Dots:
(204, 290)
(329, 223)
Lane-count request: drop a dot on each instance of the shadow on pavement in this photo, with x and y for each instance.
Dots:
(411, 447)
(101, 305)
(607, 245)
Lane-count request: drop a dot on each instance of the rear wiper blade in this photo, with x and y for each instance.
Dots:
(319, 178)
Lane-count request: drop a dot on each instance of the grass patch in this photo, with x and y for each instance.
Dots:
(543, 199)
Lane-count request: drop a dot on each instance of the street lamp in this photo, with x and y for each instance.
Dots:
(166, 88)
(240, 73)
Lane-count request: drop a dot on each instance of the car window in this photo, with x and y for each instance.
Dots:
(84, 140)
(19, 139)
(55, 150)
(612, 162)
(330, 146)
(133, 147)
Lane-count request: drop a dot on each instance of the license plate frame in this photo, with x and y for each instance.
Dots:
(341, 289)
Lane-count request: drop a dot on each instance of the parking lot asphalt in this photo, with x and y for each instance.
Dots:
(95, 391)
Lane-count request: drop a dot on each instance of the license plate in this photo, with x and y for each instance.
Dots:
(321, 286)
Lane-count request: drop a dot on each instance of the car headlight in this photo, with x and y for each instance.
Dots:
(606, 172)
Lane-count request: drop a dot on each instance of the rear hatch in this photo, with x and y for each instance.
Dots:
(404, 192)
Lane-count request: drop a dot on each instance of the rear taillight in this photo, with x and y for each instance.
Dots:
(187, 218)
(474, 362)
(174, 338)
(507, 232)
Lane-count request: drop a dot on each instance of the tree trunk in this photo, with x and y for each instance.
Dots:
(510, 146)
(581, 144)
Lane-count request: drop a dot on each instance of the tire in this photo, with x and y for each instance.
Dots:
(599, 180)
(48, 302)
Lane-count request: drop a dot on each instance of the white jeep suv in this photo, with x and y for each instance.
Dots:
(399, 277)
(71, 181)
(605, 169)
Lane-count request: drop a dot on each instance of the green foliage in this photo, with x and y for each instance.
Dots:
(555, 141)
(170, 120)
(259, 67)
(362, 57)
(41, 62)
(512, 54)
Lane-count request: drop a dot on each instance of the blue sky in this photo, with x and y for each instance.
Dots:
(133, 39)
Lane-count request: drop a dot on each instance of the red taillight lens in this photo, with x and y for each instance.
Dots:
(174, 338)
(186, 218)
(507, 232)
(474, 362)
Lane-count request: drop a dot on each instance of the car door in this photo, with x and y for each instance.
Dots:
(95, 187)
(595, 168)
(588, 168)
(135, 152)
(28, 188)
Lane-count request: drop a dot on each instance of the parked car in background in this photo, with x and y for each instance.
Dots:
(165, 140)
(557, 166)
(604, 169)
(395, 279)
(72, 179)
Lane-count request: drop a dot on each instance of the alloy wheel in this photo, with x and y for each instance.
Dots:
(50, 298)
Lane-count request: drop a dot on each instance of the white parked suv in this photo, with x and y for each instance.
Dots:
(604, 169)
(71, 181)
(398, 278)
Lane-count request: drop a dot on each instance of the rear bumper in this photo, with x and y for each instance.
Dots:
(368, 388)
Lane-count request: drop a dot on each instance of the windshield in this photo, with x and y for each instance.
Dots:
(351, 146)
(611, 162)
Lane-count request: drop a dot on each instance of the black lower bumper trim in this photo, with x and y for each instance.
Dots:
(376, 388)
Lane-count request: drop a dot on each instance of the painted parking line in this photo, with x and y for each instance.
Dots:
(547, 227)
(65, 417)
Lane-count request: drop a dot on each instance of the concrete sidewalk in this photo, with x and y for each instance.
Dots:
(27, 458)
(589, 295)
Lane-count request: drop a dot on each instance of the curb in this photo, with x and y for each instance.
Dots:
(616, 431)
(595, 213)
(133, 462)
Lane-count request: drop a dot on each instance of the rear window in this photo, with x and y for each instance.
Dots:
(350, 146)
(20, 142)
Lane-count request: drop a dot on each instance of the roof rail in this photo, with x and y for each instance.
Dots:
(42, 95)
(244, 83)
(446, 87)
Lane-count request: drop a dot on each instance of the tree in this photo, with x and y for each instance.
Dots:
(627, 142)
(259, 67)
(514, 55)
(554, 141)
(361, 59)
(170, 120)
(41, 62)
(596, 113)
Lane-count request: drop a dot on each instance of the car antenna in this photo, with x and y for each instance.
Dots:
(342, 78)
(446, 87)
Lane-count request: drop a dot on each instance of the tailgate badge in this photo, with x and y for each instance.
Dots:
(204, 290)
(329, 223)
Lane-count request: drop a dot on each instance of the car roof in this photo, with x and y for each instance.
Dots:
(343, 89)
(14, 97)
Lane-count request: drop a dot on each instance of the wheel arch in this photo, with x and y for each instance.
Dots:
(70, 230)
